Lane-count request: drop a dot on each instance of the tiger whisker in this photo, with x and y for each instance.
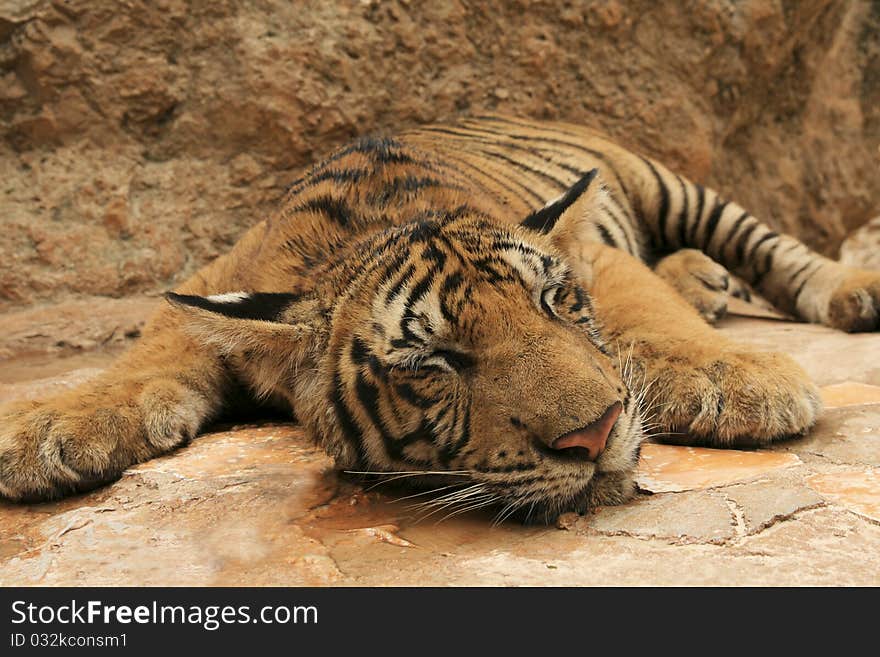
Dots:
(427, 492)
(451, 497)
(472, 507)
(511, 508)
(446, 506)
(504, 513)
(409, 472)
(394, 476)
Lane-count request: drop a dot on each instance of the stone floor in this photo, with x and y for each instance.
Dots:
(260, 505)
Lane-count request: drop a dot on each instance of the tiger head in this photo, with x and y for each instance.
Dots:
(458, 351)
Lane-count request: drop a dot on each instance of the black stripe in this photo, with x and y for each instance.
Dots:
(368, 396)
(732, 233)
(698, 217)
(545, 219)
(605, 235)
(741, 243)
(768, 265)
(683, 215)
(712, 222)
(768, 236)
(338, 176)
(799, 272)
(335, 209)
(452, 449)
(736, 226)
(421, 288)
(580, 300)
(350, 429)
(359, 351)
(630, 247)
(409, 395)
(451, 284)
(406, 184)
(362, 356)
(435, 255)
(394, 290)
(800, 289)
(384, 150)
(663, 209)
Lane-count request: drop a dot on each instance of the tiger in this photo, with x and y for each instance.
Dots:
(500, 308)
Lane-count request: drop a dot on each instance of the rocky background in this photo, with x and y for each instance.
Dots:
(141, 137)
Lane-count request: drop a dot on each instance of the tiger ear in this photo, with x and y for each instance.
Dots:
(566, 218)
(256, 321)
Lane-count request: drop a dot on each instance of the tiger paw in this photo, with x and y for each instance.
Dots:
(742, 398)
(699, 279)
(76, 442)
(855, 303)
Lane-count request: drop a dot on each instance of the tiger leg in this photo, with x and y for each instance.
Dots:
(701, 281)
(698, 387)
(153, 399)
(680, 214)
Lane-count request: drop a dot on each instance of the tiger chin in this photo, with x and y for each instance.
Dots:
(498, 310)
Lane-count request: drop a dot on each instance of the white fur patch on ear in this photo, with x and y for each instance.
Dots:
(229, 297)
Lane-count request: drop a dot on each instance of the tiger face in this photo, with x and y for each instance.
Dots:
(458, 351)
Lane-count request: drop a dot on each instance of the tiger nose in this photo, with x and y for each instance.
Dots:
(592, 437)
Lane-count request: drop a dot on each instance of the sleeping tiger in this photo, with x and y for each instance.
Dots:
(503, 308)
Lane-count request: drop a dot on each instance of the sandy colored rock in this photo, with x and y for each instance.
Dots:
(848, 435)
(850, 393)
(857, 490)
(695, 517)
(74, 326)
(672, 468)
(761, 504)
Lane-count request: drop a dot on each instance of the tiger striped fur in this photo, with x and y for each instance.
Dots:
(471, 307)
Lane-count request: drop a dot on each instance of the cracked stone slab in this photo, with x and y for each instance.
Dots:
(856, 490)
(228, 508)
(826, 545)
(673, 468)
(701, 517)
(849, 435)
(765, 503)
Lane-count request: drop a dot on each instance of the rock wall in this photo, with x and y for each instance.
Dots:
(141, 137)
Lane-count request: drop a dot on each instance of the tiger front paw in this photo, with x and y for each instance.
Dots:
(76, 442)
(854, 306)
(741, 398)
(700, 280)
